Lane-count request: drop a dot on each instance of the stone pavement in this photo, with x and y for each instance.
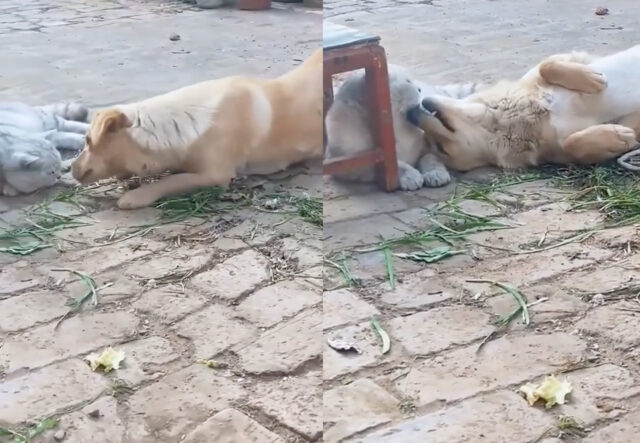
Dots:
(434, 385)
(242, 287)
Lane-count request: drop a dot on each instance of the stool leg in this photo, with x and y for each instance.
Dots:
(380, 118)
(327, 85)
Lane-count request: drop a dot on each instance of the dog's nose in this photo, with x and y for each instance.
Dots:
(430, 105)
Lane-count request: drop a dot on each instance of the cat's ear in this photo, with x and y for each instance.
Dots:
(105, 123)
(25, 160)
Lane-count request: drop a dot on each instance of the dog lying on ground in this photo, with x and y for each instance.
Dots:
(207, 133)
(348, 130)
(571, 108)
(30, 137)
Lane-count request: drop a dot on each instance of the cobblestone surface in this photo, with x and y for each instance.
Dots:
(434, 385)
(235, 287)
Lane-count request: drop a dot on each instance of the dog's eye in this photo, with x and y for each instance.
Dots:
(88, 140)
(419, 89)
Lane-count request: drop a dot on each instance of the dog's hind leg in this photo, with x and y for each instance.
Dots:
(171, 185)
(600, 143)
(574, 76)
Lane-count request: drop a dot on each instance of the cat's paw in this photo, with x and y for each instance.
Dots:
(409, 178)
(436, 177)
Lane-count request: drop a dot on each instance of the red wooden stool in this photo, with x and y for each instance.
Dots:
(346, 49)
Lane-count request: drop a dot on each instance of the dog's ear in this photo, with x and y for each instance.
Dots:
(105, 123)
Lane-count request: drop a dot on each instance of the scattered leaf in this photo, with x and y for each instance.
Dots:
(390, 271)
(109, 359)
(343, 346)
(551, 390)
(213, 364)
(386, 342)
(430, 255)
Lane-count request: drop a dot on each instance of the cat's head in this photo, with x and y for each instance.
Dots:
(28, 169)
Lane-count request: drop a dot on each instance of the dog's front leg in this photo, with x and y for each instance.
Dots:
(574, 76)
(171, 185)
(600, 143)
(435, 173)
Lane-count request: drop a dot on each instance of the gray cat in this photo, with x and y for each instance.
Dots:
(30, 137)
(348, 130)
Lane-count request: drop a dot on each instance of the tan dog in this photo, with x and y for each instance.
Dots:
(571, 108)
(207, 133)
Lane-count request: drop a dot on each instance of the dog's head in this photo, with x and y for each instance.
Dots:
(109, 150)
(456, 128)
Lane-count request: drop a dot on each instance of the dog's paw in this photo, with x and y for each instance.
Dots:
(410, 179)
(134, 200)
(594, 82)
(436, 177)
(627, 136)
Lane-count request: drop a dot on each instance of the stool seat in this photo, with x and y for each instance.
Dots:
(336, 36)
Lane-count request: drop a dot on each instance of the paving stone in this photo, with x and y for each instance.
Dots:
(29, 309)
(272, 304)
(439, 328)
(307, 257)
(366, 231)
(229, 244)
(369, 268)
(559, 304)
(625, 334)
(294, 401)
(359, 206)
(603, 279)
(97, 260)
(213, 330)
(234, 276)
(231, 426)
(167, 409)
(115, 287)
(342, 306)
(624, 431)
(553, 221)
(599, 393)
(362, 335)
(503, 362)
(177, 262)
(77, 335)
(104, 223)
(523, 270)
(618, 237)
(82, 427)
(356, 407)
(498, 417)
(45, 391)
(18, 276)
(419, 290)
(145, 359)
(169, 305)
(286, 347)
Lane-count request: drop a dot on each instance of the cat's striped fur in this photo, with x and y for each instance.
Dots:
(30, 137)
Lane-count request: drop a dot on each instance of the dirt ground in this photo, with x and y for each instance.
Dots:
(437, 383)
(241, 286)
